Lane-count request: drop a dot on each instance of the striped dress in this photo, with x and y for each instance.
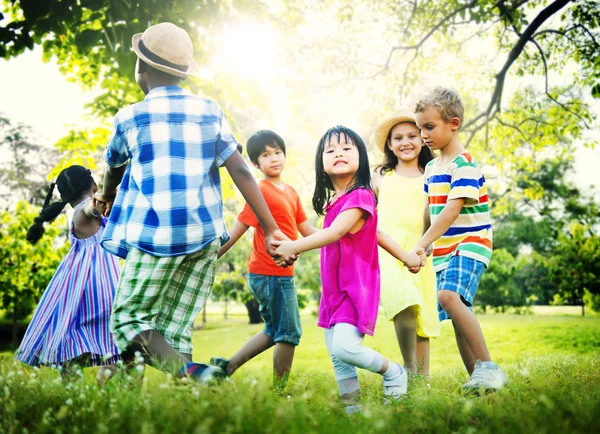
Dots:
(73, 316)
(471, 233)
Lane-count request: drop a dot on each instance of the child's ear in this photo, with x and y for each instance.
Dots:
(455, 123)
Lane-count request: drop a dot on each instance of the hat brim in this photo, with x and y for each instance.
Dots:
(135, 43)
(382, 131)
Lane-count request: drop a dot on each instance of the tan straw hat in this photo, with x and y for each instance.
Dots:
(382, 131)
(167, 48)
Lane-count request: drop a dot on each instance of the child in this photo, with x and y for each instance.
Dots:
(461, 229)
(70, 326)
(167, 217)
(408, 299)
(349, 263)
(272, 286)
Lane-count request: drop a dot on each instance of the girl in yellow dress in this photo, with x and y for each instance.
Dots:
(408, 298)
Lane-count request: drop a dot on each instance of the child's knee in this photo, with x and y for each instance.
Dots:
(345, 352)
(447, 298)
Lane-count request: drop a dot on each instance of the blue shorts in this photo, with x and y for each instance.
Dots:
(278, 306)
(461, 276)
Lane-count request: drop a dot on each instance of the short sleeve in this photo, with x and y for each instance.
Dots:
(116, 153)
(465, 182)
(248, 217)
(226, 143)
(360, 198)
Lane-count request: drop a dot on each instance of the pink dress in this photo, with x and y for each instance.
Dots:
(350, 268)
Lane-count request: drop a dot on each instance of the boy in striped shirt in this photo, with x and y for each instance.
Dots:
(460, 231)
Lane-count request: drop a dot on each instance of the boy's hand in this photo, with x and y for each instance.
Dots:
(106, 200)
(285, 253)
(100, 206)
(429, 250)
(420, 251)
(272, 241)
(413, 259)
(414, 270)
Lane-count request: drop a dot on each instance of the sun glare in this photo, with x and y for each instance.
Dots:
(246, 50)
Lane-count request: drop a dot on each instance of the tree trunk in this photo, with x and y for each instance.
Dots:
(204, 315)
(582, 308)
(225, 310)
(253, 312)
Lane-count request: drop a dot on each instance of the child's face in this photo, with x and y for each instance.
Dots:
(271, 162)
(340, 159)
(435, 132)
(405, 141)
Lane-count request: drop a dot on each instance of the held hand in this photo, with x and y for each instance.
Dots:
(413, 260)
(285, 253)
(420, 251)
(107, 200)
(414, 270)
(273, 240)
(99, 207)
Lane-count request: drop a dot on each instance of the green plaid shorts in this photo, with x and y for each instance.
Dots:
(164, 294)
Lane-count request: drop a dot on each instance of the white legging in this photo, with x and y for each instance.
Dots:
(344, 345)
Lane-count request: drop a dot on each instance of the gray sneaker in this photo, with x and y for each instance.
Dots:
(486, 377)
(396, 387)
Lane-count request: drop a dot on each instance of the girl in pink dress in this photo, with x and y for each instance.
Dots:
(350, 263)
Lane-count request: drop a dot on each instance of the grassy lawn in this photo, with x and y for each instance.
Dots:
(552, 362)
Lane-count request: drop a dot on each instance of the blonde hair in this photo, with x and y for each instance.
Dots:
(445, 99)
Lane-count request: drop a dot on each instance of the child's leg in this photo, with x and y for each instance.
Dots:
(346, 346)
(464, 319)
(256, 345)
(346, 377)
(464, 350)
(423, 356)
(283, 356)
(405, 324)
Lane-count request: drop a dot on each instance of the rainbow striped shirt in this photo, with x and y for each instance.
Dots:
(471, 233)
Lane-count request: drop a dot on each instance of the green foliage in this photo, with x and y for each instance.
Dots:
(497, 288)
(575, 266)
(25, 269)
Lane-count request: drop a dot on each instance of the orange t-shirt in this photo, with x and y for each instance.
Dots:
(287, 211)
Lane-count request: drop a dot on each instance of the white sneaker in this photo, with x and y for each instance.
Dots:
(486, 376)
(397, 386)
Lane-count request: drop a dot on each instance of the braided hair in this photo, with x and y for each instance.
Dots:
(72, 183)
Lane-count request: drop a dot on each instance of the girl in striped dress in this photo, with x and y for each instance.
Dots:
(70, 326)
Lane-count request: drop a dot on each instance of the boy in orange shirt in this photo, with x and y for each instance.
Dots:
(272, 286)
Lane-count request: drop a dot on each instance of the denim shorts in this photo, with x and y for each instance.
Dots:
(461, 276)
(278, 306)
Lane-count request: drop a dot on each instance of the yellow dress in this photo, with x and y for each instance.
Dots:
(400, 210)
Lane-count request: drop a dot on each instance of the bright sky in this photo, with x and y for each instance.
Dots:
(37, 94)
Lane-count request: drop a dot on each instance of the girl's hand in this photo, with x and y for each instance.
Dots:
(413, 259)
(273, 240)
(285, 253)
(414, 270)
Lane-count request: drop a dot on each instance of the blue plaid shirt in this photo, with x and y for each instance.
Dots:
(169, 202)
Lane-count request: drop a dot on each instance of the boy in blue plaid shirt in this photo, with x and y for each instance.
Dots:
(167, 217)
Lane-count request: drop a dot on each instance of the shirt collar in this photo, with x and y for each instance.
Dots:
(163, 91)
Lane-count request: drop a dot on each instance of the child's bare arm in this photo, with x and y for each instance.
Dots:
(306, 229)
(448, 215)
(112, 179)
(426, 225)
(237, 231)
(349, 220)
(249, 188)
(410, 259)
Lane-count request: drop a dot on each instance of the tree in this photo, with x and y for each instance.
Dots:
(532, 37)
(575, 267)
(25, 269)
(26, 165)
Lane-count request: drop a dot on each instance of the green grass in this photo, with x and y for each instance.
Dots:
(552, 362)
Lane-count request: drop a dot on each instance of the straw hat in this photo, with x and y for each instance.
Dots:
(382, 131)
(167, 48)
